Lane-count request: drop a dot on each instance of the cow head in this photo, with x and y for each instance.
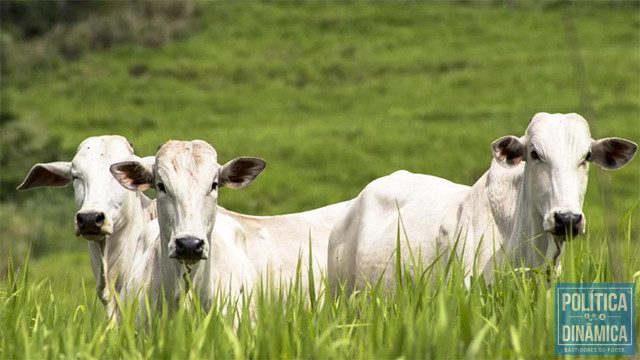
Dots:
(557, 150)
(99, 198)
(186, 176)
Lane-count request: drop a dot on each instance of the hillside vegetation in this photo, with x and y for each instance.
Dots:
(336, 95)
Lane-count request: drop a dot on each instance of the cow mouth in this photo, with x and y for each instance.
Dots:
(565, 236)
(94, 235)
(186, 260)
(567, 233)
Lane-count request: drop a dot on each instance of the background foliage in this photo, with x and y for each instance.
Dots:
(332, 95)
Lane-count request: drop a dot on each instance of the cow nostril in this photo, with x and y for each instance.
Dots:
(179, 246)
(199, 246)
(561, 218)
(100, 219)
(576, 218)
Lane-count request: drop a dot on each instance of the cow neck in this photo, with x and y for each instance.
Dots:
(519, 225)
(121, 247)
(96, 255)
(171, 276)
(203, 275)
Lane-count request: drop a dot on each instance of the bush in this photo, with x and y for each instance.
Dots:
(98, 28)
(29, 19)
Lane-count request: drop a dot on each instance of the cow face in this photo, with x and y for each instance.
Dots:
(557, 150)
(99, 198)
(186, 176)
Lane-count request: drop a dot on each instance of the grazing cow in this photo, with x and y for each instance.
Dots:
(108, 215)
(530, 198)
(186, 176)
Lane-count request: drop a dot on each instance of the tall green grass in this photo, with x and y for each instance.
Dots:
(430, 314)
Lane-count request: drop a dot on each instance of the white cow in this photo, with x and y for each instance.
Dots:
(531, 197)
(186, 176)
(262, 245)
(108, 215)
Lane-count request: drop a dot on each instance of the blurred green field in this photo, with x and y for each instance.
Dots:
(334, 95)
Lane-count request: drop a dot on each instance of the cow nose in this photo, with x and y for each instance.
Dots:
(189, 248)
(567, 223)
(90, 222)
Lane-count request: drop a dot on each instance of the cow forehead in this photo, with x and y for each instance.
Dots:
(102, 151)
(561, 132)
(190, 156)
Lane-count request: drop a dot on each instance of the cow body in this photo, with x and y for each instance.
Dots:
(530, 198)
(364, 239)
(276, 245)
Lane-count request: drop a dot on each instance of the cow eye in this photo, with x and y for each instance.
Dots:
(586, 160)
(588, 157)
(534, 155)
(160, 187)
(214, 186)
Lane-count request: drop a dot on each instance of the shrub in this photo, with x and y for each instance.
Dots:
(98, 28)
(30, 19)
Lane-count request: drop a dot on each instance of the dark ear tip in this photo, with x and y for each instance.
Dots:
(501, 143)
(116, 168)
(256, 162)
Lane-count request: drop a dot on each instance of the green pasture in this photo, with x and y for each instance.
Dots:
(425, 316)
(332, 95)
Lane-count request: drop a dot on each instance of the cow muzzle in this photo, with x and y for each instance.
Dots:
(92, 225)
(188, 250)
(565, 224)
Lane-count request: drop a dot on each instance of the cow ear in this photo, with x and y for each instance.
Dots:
(133, 175)
(508, 151)
(241, 171)
(50, 174)
(612, 153)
